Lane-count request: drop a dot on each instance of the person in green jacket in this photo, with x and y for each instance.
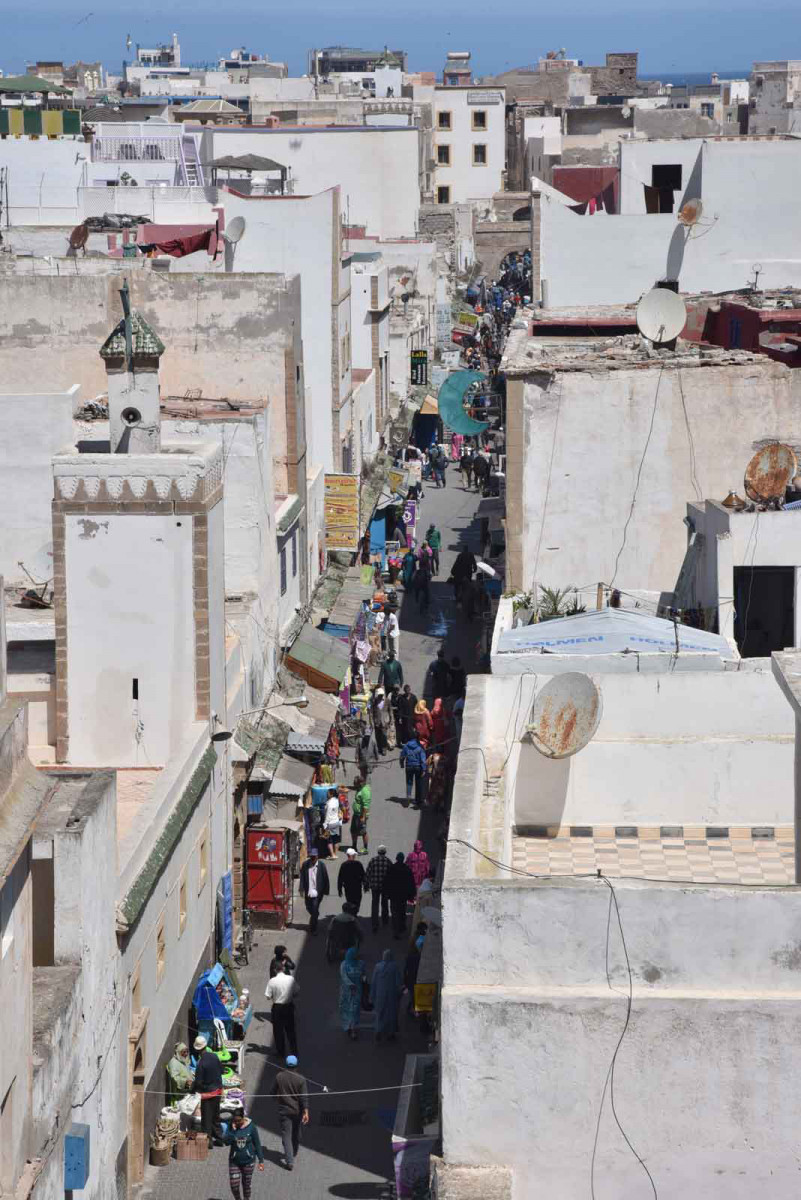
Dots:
(360, 813)
(243, 1138)
(434, 539)
(391, 673)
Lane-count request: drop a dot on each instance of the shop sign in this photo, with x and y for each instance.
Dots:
(424, 996)
(395, 479)
(475, 97)
(341, 508)
(469, 319)
(420, 367)
(410, 514)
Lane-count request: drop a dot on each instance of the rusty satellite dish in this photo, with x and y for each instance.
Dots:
(769, 472)
(690, 213)
(565, 715)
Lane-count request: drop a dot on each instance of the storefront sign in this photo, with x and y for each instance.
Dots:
(395, 479)
(467, 318)
(443, 324)
(420, 367)
(342, 512)
(474, 97)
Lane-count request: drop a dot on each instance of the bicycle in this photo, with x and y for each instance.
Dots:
(245, 939)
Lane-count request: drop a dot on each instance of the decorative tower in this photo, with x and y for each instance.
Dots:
(138, 576)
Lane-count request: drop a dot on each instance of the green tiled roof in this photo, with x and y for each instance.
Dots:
(265, 740)
(320, 652)
(144, 342)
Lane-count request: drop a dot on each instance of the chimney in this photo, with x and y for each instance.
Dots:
(131, 353)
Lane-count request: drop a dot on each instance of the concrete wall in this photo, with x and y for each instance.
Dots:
(129, 615)
(729, 410)
(16, 949)
(43, 178)
(376, 168)
(724, 740)
(33, 428)
(225, 335)
(466, 180)
(603, 259)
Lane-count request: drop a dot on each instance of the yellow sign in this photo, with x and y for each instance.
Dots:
(341, 512)
(424, 996)
(396, 480)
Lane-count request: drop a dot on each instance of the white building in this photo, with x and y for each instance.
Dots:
(370, 308)
(662, 428)
(376, 167)
(608, 258)
(469, 143)
(775, 97)
(646, 911)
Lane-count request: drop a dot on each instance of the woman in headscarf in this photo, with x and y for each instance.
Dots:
(179, 1069)
(407, 569)
(436, 780)
(418, 863)
(385, 992)
(351, 977)
(423, 724)
(439, 723)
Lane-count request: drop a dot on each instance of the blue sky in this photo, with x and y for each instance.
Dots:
(682, 35)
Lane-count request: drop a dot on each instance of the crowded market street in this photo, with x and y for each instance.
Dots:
(346, 1147)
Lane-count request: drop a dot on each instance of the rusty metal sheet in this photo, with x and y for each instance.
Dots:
(566, 715)
(769, 472)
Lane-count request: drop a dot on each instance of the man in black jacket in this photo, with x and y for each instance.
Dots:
(314, 886)
(293, 1108)
(351, 880)
(399, 888)
(208, 1085)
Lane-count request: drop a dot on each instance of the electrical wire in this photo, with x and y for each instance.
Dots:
(755, 532)
(394, 1087)
(639, 475)
(698, 493)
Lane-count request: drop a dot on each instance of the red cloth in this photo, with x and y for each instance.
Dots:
(179, 247)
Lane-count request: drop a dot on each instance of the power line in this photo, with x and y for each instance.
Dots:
(639, 474)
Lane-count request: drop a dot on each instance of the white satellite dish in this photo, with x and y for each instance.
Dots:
(565, 715)
(661, 315)
(233, 232)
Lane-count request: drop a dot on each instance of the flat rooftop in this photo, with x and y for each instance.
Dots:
(589, 351)
(689, 853)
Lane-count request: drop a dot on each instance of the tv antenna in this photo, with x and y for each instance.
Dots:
(661, 316)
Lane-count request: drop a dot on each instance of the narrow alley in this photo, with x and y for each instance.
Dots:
(346, 1148)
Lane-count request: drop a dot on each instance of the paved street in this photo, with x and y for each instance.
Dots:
(346, 1152)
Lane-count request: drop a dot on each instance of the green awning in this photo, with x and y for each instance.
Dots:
(31, 83)
(451, 402)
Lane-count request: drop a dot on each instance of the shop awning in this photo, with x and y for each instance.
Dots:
(292, 777)
(19, 84)
(351, 598)
(429, 407)
(451, 402)
(318, 658)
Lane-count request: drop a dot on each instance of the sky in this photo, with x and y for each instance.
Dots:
(671, 37)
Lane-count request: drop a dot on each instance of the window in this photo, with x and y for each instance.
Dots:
(443, 195)
(479, 118)
(282, 563)
(443, 120)
(182, 903)
(707, 110)
(730, 117)
(479, 155)
(444, 156)
(161, 950)
(294, 553)
(666, 181)
(203, 855)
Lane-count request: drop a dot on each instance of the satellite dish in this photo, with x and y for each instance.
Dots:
(769, 472)
(691, 212)
(233, 232)
(661, 316)
(486, 569)
(565, 715)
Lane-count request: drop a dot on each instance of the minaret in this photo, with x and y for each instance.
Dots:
(131, 353)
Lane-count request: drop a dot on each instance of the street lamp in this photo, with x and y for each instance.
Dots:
(224, 735)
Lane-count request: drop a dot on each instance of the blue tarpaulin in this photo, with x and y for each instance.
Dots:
(612, 631)
(450, 400)
(378, 537)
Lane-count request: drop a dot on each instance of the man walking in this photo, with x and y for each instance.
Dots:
(463, 571)
(393, 633)
(440, 676)
(376, 875)
(434, 539)
(282, 990)
(400, 890)
(361, 814)
(293, 1109)
(352, 881)
(413, 758)
(391, 673)
(208, 1085)
(407, 702)
(314, 886)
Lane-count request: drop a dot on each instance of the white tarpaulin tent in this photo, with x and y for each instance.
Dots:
(612, 631)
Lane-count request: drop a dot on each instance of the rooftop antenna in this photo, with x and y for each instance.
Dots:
(661, 316)
(125, 297)
(757, 269)
(565, 715)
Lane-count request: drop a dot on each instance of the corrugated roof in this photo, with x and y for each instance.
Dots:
(306, 743)
(320, 652)
(292, 777)
(351, 597)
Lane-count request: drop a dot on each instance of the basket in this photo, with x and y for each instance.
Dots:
(160, 1154)
(192, 1147)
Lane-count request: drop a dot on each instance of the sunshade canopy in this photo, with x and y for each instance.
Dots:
(246, 162)
(450, 400)
(32, 83)
(612, 631)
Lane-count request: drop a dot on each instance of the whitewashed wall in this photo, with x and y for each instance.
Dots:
(467, 181)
